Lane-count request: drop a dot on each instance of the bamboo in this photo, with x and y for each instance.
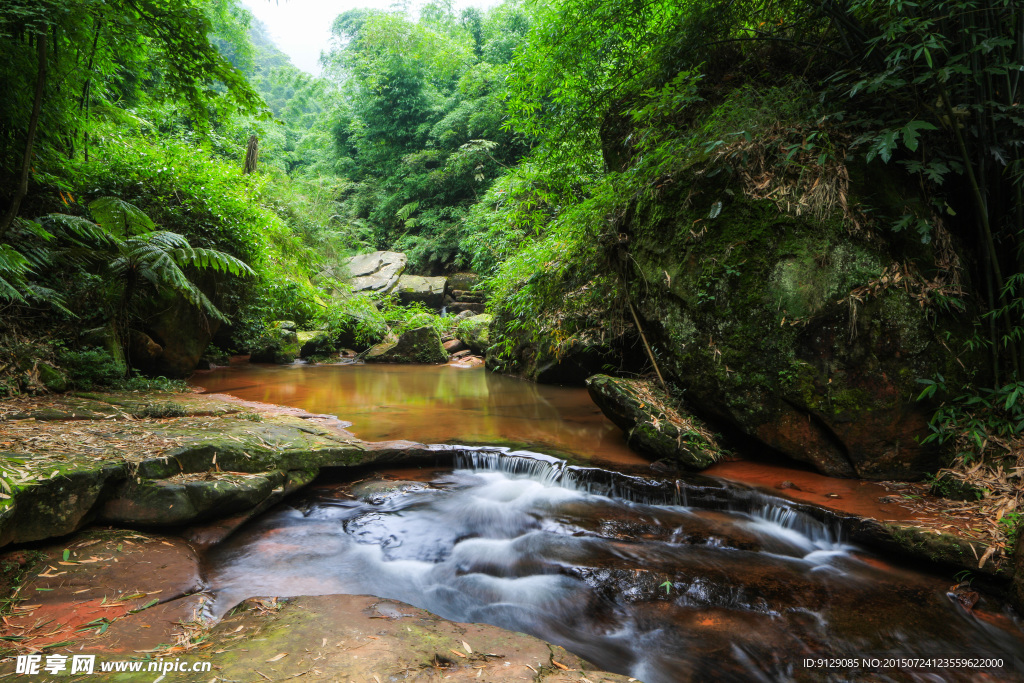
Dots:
(33, 125)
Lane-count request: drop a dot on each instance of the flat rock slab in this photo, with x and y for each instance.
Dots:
(363, 639)
(378, 271)
(201, 457)
(104, 591)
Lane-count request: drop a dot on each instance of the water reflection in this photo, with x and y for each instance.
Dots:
(434, 404)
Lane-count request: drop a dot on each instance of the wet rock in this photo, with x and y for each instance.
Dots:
(467, 361)
(142, 349)
(462, 315)
(378, 271)
(279, 344)
(428, 291)
(376, 491)
(420, 345)
(475, 332)
(469, 297)
(318, 344)
(454, 346)
(458, 355)
(179, 459)
(653, 422)
(964, 596)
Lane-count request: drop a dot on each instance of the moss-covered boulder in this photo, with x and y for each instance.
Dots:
(181, 331)
(279, 344)
(52, 378)
(419, 345)
(475, 332)
(319, 344)
(792, 329)
(653, 422)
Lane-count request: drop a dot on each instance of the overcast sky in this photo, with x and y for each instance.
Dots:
(302, 28)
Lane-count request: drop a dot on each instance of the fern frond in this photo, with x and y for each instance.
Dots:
(120, 217)
(80, 231)
(211, 258)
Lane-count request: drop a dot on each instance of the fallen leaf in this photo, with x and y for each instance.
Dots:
(561, 666)
(457, 652)
(277, 657)
(466, 646)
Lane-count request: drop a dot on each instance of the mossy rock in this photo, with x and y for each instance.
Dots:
(420, 345)
(52, 378)
(475, 332)
(783, 327)
(318, 344)
(653, 422)
(196, 498)
(279, 344)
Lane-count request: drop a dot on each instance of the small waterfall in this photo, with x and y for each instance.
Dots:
(819, 526)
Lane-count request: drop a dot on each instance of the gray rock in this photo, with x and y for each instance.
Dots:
(427, 290)
(378, 271)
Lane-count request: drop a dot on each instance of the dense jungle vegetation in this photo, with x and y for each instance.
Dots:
(165, 148)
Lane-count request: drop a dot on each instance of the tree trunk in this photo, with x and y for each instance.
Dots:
(252, 154)
(33, 124)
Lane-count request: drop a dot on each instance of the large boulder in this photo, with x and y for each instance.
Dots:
(378, 271)
(653, 422)
(462, 281)
(428, 291)
(419, 345)
(183, 332)
(279, 344)
(475, 332)
(792, 329)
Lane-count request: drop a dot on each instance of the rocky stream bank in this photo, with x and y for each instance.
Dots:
(109, 501)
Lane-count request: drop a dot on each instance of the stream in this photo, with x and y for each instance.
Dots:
(692, 579)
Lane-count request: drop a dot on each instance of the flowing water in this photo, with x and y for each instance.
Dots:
(689, 579)
(663, 584)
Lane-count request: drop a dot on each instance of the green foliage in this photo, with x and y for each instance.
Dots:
(91, 367)
(423, 136)
(949, 487)
(1010, 525)
(975, 416)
